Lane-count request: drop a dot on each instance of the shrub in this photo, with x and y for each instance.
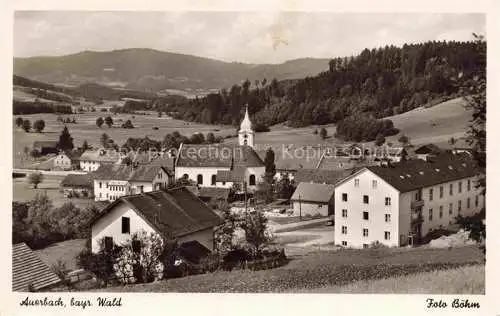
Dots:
(35, 178)
(35, 153)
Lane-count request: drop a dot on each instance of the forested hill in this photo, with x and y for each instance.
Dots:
(152, 70)
(377, 82)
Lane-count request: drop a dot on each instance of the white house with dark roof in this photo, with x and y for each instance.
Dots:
(175, 214)
(114, 181)
(398, 204)
(91, 160)
(222, 165)
(313, 199)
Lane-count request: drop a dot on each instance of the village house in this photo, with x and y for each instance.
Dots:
(29, 272)
(313, 199)
(399, 204)
(175, 214)
(113, 181)
(91, 160)
(427, 151)
(221, 165)
(66, 160)
(46, 147)
(78, 185)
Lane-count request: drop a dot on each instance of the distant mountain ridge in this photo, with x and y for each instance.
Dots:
(152, 70)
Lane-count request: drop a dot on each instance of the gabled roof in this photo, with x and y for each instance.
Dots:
(45, 143)
(217, 155)
(141, 173)
(313, 192)
(428, 149)
(100, 156)
(415, 174)
(322, 176)
(78, 180)
(28, 268)
(173, 213)
(235, 175)
(213, 192)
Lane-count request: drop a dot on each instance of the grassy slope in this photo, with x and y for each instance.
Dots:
(319, 270)
(65, 251)
(463, 280)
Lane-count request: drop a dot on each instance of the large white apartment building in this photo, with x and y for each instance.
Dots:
(398, 204)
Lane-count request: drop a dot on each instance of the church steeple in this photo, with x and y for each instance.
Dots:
(245, 134)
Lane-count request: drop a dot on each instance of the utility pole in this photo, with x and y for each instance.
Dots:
(300, 208)
(246, 203)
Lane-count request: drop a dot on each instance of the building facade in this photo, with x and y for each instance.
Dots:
(398, 205)
(221, 165)
(175, 213)
(115, 181)
(313, 199)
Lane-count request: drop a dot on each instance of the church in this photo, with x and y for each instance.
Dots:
(222, 165)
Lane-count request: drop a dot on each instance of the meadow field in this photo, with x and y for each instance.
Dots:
(86, 129)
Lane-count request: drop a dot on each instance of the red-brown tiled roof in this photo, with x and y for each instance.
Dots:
(78, 180)
(141, 173)
(28, 269)
(313, 192)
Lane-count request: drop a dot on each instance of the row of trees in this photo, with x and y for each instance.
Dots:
(362, 128)
(38, 223)
(34, 107)
(25, 124)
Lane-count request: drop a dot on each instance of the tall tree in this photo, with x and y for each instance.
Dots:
(27, 126)
(19, 121)
(39, 125)
(99, 121)
(475, 90)
(65, 140)
(109, 121)
(269, 163)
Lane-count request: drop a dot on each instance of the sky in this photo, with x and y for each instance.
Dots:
(250, 37)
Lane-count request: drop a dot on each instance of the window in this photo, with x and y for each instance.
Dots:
(477, 200)
(440, 211)
(344, 243)
(468, 185)
(141, 188)
(136, 246)
(468, 203)
(356, 182)
(450, 210)
(366, 199)
(365, 246)
(431, 194)
(374, 184)
(344, 230)
(441, 190)
(387, 201)
(430, 214)
(451, 188)
(213, 179)
(252, 179)
(108, 243)
(200, 179)
(387, 235)
(365, 232)
(387, 218)
(459, 206)
(344, 197)
(460, 187)
(125, 225)
(100, 185)
(365, 215)
(344, 213)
